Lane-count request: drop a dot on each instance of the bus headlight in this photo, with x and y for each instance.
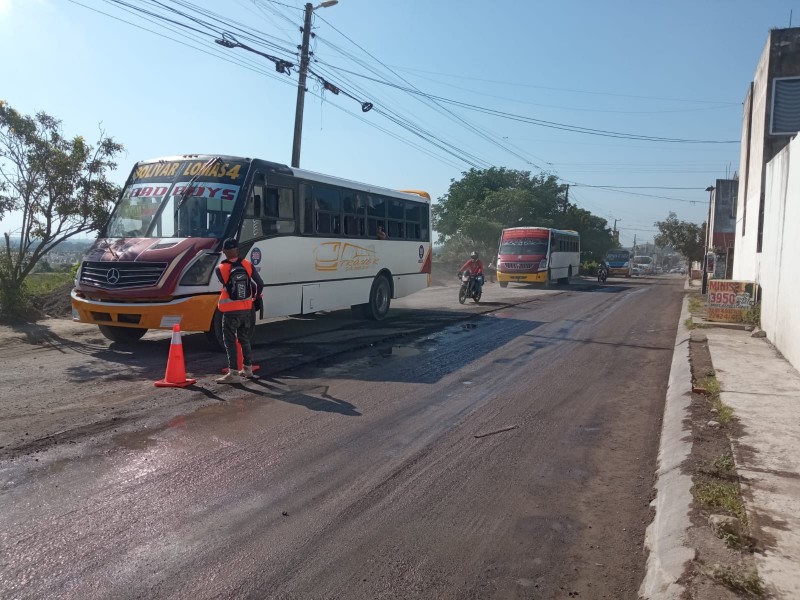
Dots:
(543, 265)
(199, 272)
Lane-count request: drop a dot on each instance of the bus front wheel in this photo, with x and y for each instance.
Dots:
(503, 284)
(380, 297)
(122, 334)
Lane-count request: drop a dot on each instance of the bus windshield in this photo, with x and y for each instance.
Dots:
(618, 256)
(182, 198)
(524, 246)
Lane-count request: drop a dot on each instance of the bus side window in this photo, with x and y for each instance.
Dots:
(279, 210)
(328, 205)
(354, 211)
(251, 223)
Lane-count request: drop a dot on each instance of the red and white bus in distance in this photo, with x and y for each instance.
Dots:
(313, 238)
(537, 255)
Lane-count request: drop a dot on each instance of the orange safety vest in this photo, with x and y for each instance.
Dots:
(225, 303)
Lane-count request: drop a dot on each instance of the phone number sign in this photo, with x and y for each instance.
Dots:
(727, 300)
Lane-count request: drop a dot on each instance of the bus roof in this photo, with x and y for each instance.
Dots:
(417, 195)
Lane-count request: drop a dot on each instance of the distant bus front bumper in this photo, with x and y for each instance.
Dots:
(522, 277)
(620, 272)
(193, 313)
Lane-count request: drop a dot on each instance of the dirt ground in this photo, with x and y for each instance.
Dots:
(717, 566)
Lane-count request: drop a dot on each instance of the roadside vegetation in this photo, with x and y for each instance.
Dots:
(58, 184)
(477, 207)
(719, 516)
(748, 583)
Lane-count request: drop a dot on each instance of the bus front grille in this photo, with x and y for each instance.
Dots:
(121, 275)
(520, 266)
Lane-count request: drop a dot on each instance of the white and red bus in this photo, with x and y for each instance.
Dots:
(537, 255)
(313, 238)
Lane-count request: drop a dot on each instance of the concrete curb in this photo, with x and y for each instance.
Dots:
(665, 537)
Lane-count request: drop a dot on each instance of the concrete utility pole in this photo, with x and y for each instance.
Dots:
(704, 287)
(301, 80)
(301, 87)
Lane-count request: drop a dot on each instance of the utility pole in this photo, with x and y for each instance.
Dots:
(301, 87)
(634, 244)
(566, 201)
(704, 287)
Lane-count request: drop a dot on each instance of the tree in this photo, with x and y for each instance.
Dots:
(477, 207)
(59, 185)
(685, 237)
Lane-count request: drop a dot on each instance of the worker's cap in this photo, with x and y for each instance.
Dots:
(230, 244)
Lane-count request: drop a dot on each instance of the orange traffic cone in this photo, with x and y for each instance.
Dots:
(240, 360)
(176, 372)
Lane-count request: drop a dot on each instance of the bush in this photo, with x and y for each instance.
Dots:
(589, 268)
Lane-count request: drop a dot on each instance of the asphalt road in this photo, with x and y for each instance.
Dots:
(507, 455)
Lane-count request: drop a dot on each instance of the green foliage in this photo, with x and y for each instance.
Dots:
(589, 268)
(721, 495)
(752, 316)
(749, 584)
(58, 184)
(689, 323)
(37, 284)
(477, 207)
(685, 237)
(724, 464)
(695, 304)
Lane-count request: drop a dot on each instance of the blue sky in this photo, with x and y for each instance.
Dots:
(675, 69)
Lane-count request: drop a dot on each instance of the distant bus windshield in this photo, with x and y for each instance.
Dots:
(181, 198)
(619, 256)
(524, 246)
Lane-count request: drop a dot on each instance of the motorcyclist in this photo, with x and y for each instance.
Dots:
(475, 268)
(602, 270)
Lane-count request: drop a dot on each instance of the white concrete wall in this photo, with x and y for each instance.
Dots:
(779, 278)
(746, 262)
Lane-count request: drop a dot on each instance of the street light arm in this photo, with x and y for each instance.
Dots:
(229, 41)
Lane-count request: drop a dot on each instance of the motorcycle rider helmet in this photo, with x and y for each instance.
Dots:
(474, 256)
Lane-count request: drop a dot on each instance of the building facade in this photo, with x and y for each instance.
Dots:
(768, 207)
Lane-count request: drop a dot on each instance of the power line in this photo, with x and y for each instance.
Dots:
(541, 122)
(639, 187)
(556, 89)
(622, 191)
(727, 105)
(460, 119)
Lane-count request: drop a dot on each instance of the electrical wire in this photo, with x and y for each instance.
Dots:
(541, 122)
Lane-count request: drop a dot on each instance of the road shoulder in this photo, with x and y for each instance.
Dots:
(665, 538)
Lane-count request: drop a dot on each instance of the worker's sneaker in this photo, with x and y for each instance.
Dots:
(247, 371)
(230, 377)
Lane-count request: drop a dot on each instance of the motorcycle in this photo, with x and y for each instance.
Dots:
(469, 287)
(602, 273)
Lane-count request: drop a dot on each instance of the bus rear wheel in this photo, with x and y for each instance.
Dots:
(380, 297)
(122, 334)
(565, 280)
